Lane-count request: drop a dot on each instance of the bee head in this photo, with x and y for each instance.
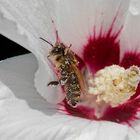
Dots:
(58, 49)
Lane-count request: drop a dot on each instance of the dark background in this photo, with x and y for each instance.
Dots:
(9, 48)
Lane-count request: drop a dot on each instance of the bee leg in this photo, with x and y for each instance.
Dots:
(64, 80)
(48, 55)
(61, 81)
(67, 50)
(53, 83)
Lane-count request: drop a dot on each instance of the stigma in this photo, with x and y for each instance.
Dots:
(114, 85)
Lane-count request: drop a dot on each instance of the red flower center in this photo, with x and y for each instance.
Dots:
(99, 52)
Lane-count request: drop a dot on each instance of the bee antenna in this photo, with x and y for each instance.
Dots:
(56, 32)
(57, 36)
(70, 45)
(46, 41)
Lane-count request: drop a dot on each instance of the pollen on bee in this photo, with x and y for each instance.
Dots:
(114, 85)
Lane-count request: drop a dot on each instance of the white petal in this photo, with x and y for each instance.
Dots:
(130, 37)
(25, 115)
(77, 19)
(25, 21)
(5, 92)
(33, 15)
(135, 7)
(133, 134)
(134, 131)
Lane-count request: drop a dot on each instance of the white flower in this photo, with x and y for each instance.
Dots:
(78, 22)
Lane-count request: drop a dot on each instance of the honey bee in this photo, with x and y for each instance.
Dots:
(69, 76)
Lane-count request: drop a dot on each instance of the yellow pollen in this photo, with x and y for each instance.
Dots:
(114, 85)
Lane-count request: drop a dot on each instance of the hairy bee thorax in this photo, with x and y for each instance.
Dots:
(66, 65)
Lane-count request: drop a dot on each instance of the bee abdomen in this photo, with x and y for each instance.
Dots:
(72, 90)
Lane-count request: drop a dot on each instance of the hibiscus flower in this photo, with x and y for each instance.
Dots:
(104, 35)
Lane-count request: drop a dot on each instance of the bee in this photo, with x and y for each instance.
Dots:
(69, 76)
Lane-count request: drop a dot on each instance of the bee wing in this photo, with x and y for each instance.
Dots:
(80, 79)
